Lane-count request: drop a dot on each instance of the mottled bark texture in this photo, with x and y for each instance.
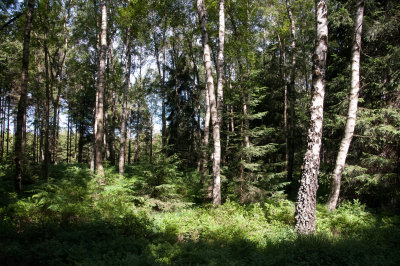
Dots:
(352, 112)
(306, 198)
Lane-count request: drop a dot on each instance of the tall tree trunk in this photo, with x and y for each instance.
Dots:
(282, 70)
(8, 124)
(352, 112)
(291, 95)
(2, 123)
(201, 9)
(125, 102)
(220, 97)
(80, 142)
(75, 141)
(35, 129)
(163, 111)
(56, 123)
(136, 156)
(206, 137)
(46, 161)
(129, 140)
(306, 198)
(21, 113)
(100, 90)
(93, 154)
(41, 136)
(111, 128)
(68, 137)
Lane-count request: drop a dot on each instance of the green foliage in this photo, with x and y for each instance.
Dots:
(73, 220)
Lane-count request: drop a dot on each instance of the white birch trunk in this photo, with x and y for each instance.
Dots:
(201, 8)
(100, 90)
(306, 199)
(352, 112)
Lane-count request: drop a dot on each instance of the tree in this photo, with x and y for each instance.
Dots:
(291, 90)
(306, 199)
(22, 104)
(220, 97)
(100, 91)
(201, 9)
(352, 112)
(125, 109)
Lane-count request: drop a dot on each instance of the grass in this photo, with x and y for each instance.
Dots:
(73, 220)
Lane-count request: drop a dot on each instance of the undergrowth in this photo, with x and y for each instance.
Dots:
(149, 217)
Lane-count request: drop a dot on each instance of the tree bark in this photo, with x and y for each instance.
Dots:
(352, 112)
(46, 161)
(220, 97)
(163, 111)
(68, 137)
(2, 123)
(201, 8)
(291, 95)
(122, 156)
(21, 113)
(100, 90)
(306, 198)
(136, 156)
(8, 124)
(206, 138)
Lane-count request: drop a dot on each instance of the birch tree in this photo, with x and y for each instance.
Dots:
(352, 112)
(306, 199)
(201, 9)
(291, 94)
(100, 90)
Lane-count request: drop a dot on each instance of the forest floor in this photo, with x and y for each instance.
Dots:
(143, 220)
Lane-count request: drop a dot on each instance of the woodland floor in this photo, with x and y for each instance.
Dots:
(133, 221)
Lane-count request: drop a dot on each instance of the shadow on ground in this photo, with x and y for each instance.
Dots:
(135, 241)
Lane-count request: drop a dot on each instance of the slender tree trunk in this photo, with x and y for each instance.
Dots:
(352, 112)
(93, 155)
(8, 124)
(2, 124)
(306, 199)
(129, 140)
(125, 102)
(75, 140)
(41, 136)
(136, 156)
(285, 108)
(220, 96)
(163, 112)
(68, 137)
(206, 137)
(46, 161)
(151, 139)
(22, 104)
(291, 95)
(100, 89)
(213, 104)
(35, 129)
(111, 128)
(56, 122)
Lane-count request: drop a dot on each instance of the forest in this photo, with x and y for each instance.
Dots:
(183, 132)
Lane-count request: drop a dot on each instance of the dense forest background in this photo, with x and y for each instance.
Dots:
(136, 119)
